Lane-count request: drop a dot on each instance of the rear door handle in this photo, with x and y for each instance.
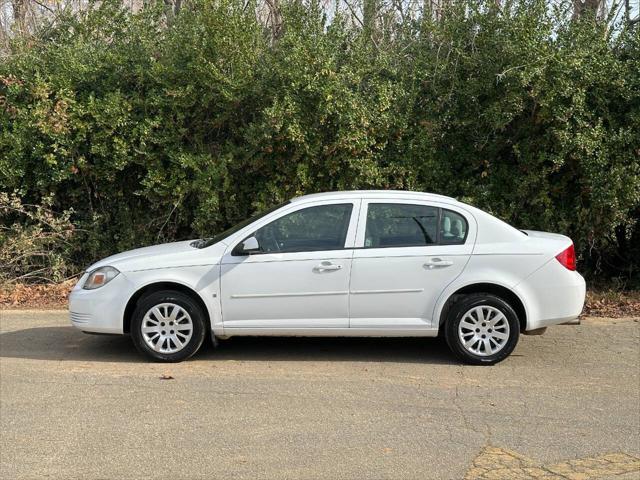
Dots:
(327, 267)
(437, 263)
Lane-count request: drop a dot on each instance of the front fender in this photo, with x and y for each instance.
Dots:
(203, 280)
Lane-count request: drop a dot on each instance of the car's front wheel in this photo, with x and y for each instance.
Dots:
(168, 326)
(482, 329)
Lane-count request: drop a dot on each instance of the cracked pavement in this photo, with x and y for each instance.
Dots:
(565, 405)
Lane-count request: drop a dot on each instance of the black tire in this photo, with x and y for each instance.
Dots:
(456, 314)
(194, 310)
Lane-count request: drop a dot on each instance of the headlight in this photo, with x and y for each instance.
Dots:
(99, 277)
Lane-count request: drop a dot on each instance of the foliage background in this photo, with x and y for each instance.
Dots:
(126, 127)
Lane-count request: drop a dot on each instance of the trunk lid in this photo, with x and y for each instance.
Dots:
(552, 243)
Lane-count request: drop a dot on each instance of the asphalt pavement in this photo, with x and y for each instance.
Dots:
(565, 405)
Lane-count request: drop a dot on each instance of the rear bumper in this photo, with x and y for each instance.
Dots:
(100, 310)
(554, 295)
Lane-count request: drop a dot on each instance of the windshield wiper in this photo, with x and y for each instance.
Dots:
(200, 243)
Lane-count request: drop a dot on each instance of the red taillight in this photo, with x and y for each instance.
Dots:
(568, 257)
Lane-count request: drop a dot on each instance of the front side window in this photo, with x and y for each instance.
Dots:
(400, 225)
(207, 242)
(323, 227)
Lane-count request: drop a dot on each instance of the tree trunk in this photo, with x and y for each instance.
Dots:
(370, 10)
(587, 7)
(19, 15)
(275, 19)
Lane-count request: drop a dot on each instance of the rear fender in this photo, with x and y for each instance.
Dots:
(497, 279)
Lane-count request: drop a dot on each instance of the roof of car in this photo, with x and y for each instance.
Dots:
(375, 194)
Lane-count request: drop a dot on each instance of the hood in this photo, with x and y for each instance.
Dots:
(166, 255)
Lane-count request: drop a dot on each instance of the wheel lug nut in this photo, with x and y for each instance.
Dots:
(162, 324)
(477, 329)
(483, 336)
(163, 332)
(171, 331)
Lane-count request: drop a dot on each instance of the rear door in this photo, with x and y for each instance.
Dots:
(406, 253)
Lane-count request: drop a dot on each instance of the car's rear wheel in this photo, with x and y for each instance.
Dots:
(168, 326)
(482, 329)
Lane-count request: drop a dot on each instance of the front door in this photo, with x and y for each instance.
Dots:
(408, 253)
(299, 277)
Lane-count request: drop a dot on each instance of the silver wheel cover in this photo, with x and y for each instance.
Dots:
(483, 331)
(167, 328)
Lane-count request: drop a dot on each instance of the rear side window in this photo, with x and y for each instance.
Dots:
(400, 225)
(311, 229)
(407, 225)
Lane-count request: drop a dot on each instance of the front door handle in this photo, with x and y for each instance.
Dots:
(437, 263)
(327, 267)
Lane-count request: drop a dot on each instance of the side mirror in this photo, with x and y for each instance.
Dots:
(247, 247)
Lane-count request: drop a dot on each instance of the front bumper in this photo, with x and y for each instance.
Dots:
(100, 310)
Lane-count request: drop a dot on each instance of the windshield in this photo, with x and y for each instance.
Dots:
(206, 242)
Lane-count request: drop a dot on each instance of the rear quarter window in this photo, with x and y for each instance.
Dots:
(453, 228)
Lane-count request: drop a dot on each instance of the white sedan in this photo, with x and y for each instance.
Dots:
(361, 263)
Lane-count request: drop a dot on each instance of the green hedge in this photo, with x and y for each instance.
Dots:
(152, 133)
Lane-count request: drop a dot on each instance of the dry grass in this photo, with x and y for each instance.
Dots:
(21, 296)
(612, 303)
